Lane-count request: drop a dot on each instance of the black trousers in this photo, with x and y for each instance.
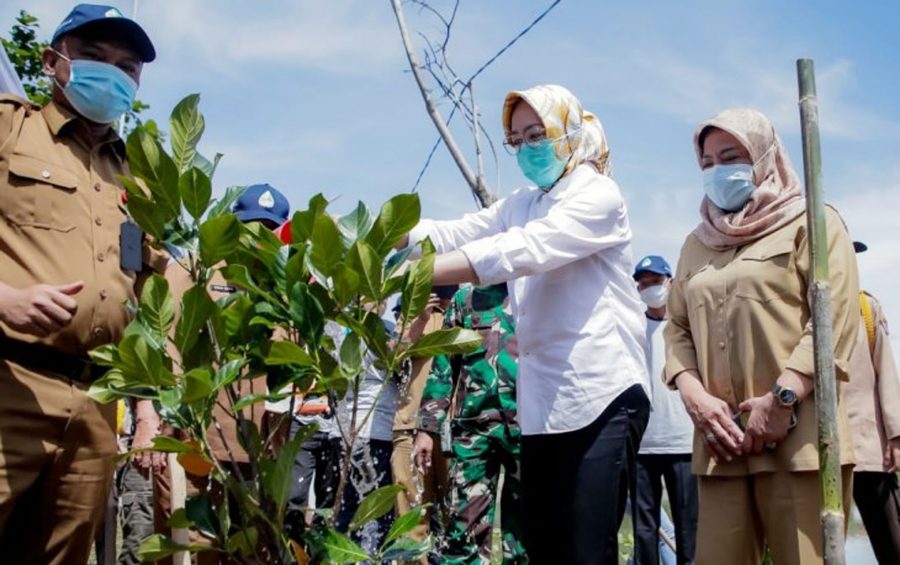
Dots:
(315, 461)
(681, 485)
(877, 497)
(575, 485)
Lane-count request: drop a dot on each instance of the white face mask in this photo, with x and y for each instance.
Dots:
(655, 296)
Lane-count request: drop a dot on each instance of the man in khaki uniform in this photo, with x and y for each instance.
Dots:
(63, 285)
(872, 398)
(427, 485)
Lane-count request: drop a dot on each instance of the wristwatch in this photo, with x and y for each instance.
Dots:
(786, 397)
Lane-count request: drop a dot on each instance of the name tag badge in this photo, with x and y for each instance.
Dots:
(225, 288)
(131, 238)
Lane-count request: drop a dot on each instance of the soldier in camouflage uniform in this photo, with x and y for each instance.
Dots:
(485, 434)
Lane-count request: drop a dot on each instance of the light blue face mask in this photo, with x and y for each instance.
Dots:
(98, 91)
(729, 186)
(540, 163)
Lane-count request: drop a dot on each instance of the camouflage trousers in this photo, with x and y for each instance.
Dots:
(479, 455)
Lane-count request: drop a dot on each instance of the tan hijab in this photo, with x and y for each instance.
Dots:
(579, 133)
(778, 198)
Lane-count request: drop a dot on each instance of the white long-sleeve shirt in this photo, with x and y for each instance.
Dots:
(566, 255)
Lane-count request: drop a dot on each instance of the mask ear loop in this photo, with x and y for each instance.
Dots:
(761, 158)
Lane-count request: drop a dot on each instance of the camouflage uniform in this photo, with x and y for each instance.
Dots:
(484, 428)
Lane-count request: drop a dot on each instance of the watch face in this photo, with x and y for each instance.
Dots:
(787, 397)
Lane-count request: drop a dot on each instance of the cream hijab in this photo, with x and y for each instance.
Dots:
(778, 198)
(579, 133)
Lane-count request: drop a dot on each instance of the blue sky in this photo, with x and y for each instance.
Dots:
(314, 96)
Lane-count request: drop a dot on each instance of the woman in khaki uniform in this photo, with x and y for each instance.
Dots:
(739, 347)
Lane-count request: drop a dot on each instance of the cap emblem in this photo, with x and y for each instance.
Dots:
(113, 13)
(266, 200)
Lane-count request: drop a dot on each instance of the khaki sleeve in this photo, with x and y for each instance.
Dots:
(154, 258)
(680, 352)
(887, 379)
(12, 112)
(844, 280)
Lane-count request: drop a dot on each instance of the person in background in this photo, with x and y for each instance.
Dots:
(665, 452)
(422, 485)
(872, 397)
(739, 347)
(371, 408)
(258, 203)
(563, 246)
(69, 260)
(473, 397)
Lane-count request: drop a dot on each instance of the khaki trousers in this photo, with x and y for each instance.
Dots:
(57, 460)
(419, 489)
(741, 516)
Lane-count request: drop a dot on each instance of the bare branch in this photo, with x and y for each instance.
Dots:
(476, 185)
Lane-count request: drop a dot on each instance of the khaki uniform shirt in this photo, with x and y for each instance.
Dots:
(60, 216)
(407, 414)
(218, 288)
(740, 317)
(872, 396)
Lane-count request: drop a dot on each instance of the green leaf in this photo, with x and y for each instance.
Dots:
(223, 205)
(158, 546)
(199, 510)
(356, 224)
(341, 549)
(142, 364)
(228, 373)
(288, 353)
(398, 216)
(187, 125)
(307, 314)
(363, 259)
(105, 355)
(197, 384)
(208, 167)
(346, 282)
(445, 342)
(302, 222)
(375, 505)
(196, 190)
(157, 309)
(418, 287)
(196, 308)
(179, 519)
(166, 444)
(327, 248)
(406, 549)
(107, 388)
(147, 215)
(276, 474)
(243, 542)
(405, 524)
(219, 238)
(149, 162)
(351, 355)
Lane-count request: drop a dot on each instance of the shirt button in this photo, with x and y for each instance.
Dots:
(103, 294)
(98, 221)
(721, 345)
(97, 186)
(45, 173)
(98, 332)
(101, 257)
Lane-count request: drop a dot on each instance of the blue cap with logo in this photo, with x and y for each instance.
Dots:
(107, 21)
(261, 202)
(652, 264)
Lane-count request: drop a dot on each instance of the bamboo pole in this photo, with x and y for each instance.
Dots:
(832, 513)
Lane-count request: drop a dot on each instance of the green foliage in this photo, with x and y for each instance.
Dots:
(336, 273)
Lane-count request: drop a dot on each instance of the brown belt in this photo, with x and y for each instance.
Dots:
(45, 359)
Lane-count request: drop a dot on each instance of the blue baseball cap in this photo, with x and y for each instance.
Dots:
(107, 21)
(262, 202)
(860, 247)
(652, 264)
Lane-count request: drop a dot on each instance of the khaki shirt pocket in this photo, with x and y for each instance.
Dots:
(39, 194)
(767, 272)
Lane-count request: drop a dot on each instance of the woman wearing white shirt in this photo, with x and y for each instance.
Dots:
(563, 247)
